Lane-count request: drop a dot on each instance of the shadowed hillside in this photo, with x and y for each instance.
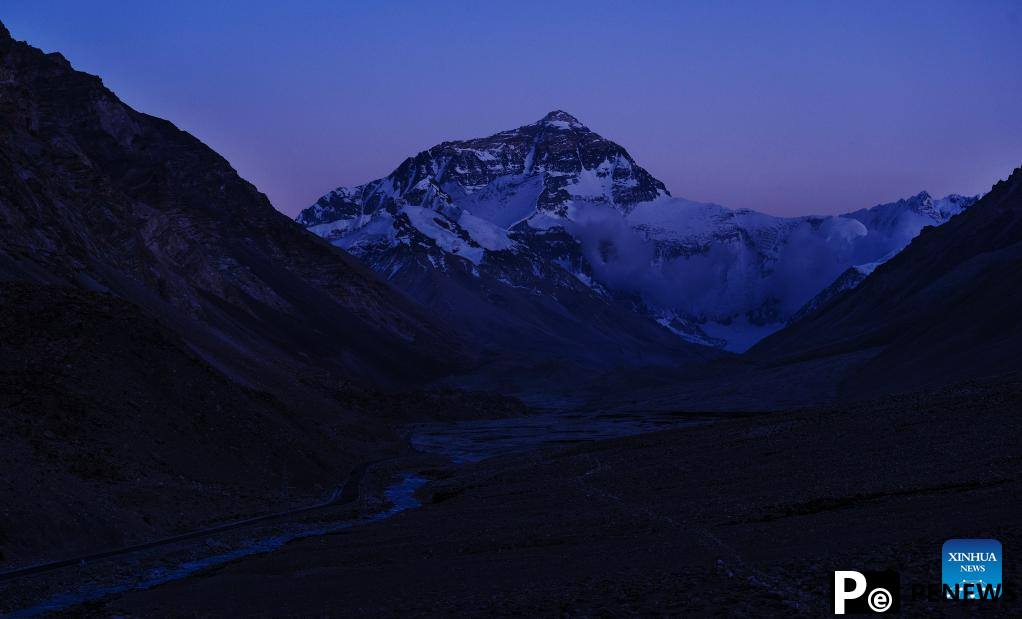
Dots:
(174, 350)
(946, 308)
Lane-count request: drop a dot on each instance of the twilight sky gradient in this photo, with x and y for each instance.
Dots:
(803, 107)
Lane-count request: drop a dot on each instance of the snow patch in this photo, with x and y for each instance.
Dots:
(562, 125)
(428, 222)
(486, 234)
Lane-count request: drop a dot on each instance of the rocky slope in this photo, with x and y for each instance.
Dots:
(112, 431)
(99, 195)
(553, 206)
(174, 350)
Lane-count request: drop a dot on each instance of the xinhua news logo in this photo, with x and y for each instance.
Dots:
(857, 593)
(971, 569)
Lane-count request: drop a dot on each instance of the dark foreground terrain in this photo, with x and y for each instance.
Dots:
(114, 432)
(746, 517)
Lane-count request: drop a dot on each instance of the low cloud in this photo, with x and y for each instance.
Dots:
(729, 278)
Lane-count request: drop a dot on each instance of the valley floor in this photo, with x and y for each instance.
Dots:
(746, 517)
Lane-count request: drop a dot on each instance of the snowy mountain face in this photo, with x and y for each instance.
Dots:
(740, 274)
(553, 206)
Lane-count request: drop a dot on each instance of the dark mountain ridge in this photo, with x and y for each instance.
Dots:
(944, 309)
(97, 194)
(174, 351)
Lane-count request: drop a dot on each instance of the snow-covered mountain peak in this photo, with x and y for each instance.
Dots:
(559, 119)
(924, 208)
(560, 115)
(922, 203)
(553, 168)
(938, 209)
(554, 206)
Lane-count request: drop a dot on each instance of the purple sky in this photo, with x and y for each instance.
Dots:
(815, 107)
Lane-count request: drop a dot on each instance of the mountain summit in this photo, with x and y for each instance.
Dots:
(560, 115)
(560, 118)
(546, 167)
